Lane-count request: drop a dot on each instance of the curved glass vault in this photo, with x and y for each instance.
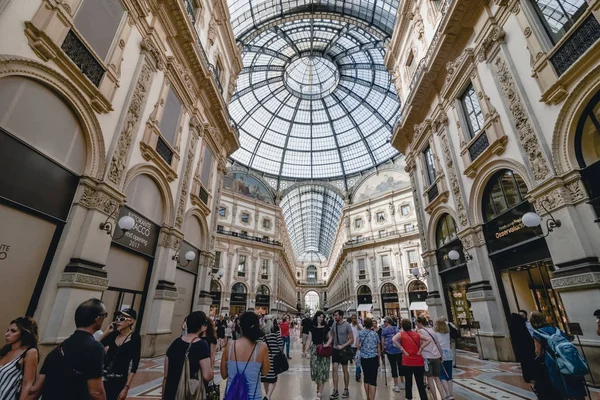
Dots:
(314, 100)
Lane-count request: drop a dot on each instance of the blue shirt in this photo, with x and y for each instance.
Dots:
(368, 341)
(387, 334)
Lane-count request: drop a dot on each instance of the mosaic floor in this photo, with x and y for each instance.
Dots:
(473, 379)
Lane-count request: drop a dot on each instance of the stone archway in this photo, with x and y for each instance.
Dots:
(312, 301)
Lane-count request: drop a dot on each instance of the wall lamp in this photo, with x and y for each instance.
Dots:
(218, 274)
(126, 223)
(455, 255)
(189, 256)
(417, 274)
(532, 220)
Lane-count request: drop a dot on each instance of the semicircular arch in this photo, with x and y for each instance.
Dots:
(96, 154)
(195, 213)
(435, 218)
(163, 186)
(475, 198)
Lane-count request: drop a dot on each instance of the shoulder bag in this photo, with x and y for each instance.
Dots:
(280, 362)
(322, 350)
(425, 361)
(190, 388)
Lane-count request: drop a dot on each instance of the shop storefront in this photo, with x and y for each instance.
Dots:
(520, 256)
(238, 300)
(365, 301)
(263, 300)
(390, 300)
(417, 294)
(129, 262)
(37, 185)
(455, 278)
(215, 294)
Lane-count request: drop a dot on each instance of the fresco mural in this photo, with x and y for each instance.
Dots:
(247, 185)
(380, 183)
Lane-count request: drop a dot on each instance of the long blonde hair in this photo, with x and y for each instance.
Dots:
(441, 325)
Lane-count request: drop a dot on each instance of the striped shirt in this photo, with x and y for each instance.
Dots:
(11, 378)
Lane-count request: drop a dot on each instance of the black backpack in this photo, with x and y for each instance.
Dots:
(454, 333)
(63, 381)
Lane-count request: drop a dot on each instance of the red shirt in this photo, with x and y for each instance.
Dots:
(411, 342)
(285, 329)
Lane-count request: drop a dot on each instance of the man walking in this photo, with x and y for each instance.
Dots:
(356, 328)
(306, 323)
(73, 370)
(342, 340)
(284, 328)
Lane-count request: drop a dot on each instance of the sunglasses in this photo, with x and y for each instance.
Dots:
(121, 319)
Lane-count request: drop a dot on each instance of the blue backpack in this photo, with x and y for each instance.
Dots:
(238, 389)
(568, 360)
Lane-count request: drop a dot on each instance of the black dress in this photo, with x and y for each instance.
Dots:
(117, 362)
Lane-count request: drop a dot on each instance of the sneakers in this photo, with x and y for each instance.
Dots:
(346, 394)
(401, 386)
(396, 389)
(334, 395)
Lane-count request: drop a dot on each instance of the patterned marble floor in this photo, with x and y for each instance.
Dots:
(473, 379)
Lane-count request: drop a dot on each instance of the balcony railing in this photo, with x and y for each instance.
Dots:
(381, 236)
(248, 237)
(478, 146)
(190, 10)
(433, 192)
(584, 36)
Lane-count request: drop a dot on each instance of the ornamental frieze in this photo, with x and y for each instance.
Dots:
(527, 136)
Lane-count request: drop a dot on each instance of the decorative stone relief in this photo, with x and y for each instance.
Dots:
(130, 126)
(93, 198)
(454, 185)
(527, 136)
(413, 183)
(574, 281)
(496, 35)
(185, 186)
(212, 32)
(155, 54)
(73, 279)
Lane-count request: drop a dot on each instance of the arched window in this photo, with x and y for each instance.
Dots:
(504, 191)
(311, 273)
(239, 288)
(363, 290)
(587, 150)
(445, 231)
(417, 286)
(389, 288)
(263, 289)
(215, 286)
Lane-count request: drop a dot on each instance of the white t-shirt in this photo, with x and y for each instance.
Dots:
(444, 342)
(431, 350)
(355, 329)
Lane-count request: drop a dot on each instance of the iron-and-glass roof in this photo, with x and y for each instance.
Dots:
(314, 100)
(312, 214)
(247, 15)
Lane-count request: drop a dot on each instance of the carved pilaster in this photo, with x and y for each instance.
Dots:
(454, 183)
(185, 186)
(99, 196)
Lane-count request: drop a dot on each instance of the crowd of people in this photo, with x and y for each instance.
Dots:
(91, 364)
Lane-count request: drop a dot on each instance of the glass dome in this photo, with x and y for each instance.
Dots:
(314, 99)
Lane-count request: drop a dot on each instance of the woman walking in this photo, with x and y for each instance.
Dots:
(221, 326)
(319, 334)
(198, 356)
(570, 386)
(368, 345)
(275, 346)
(432, 353)
(411, 345)
(19, 359)
(442, 332)
(246, 356)
(394, 355)
(122, 347)
(210, 337)
(228, 331)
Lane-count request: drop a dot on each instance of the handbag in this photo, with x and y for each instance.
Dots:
(190, 388)
(280, 363)
(213, 391)
(324, 351)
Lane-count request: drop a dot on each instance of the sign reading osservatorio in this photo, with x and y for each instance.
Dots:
(4, 250)
(144, 235)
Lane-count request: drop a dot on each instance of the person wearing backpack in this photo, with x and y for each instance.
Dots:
(73, 370)
(192, 351)
(566, 368)
(245, 360)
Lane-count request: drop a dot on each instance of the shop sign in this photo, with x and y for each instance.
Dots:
(508, 229)
(4, 250)
(263, 299)
(144, 235)
(216, 297)
(365, 299)
(389, 297)
(417, 296)
(238, 298)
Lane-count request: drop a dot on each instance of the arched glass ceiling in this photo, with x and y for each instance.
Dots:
(314, 100)
(312, 214)
(247, 15)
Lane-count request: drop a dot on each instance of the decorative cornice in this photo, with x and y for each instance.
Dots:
(83, 281)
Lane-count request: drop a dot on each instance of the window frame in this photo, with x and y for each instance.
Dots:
(429, 165)
(224, 213)
(545, 25)
(403, 207)
(241, 267)
(471, 131)
(245, 218)
(264, 267)
(380, 216)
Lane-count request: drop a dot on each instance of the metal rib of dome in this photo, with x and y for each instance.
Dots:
(247, 15)
(314, 99)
